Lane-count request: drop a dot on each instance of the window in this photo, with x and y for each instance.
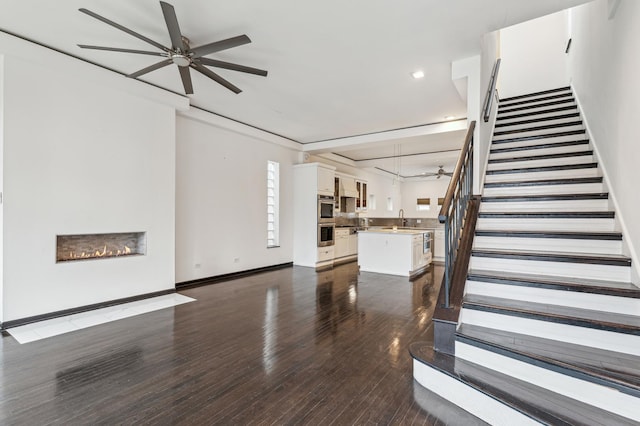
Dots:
(372, 202)
(273, 204)
(423, 204)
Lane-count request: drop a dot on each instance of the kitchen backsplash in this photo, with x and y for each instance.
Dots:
(352, 219)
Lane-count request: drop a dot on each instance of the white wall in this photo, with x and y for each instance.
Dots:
(1, 181)
(221, 198)
(533, 55)
(469, 69)
(84, 151)
(490, 52)
(603, 64)
(430, 188)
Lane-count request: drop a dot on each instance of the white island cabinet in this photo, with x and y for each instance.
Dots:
(400, 252)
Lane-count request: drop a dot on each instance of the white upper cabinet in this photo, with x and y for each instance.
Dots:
(326, 183)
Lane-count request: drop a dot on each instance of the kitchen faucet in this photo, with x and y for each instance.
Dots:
(401, 216)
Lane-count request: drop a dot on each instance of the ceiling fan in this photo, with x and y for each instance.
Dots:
(439, 173)
(181, 53)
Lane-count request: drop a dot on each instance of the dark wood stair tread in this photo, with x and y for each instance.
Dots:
(581, 362)
(540, 146)
(543, 92)
(546, 197)
(543, 168)
(544, 182)
(540, 157)
(534, 113)
(550, 215)
(533, 401)
(582, 285)
(588, 318)
(600, 236)
(541, 136)
(514, 102)
(539, 120)
(555, 256)
(537, 128)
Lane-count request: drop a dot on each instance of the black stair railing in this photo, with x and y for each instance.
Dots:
(454, 208)
(488, 99)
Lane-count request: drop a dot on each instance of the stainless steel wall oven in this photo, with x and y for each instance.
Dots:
(326, 204)
(326, 233)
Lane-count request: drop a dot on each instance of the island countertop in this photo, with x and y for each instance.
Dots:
(399, 231)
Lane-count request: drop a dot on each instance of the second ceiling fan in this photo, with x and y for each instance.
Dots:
(439, 173)
(181, 53)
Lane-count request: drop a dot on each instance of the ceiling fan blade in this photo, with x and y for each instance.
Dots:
(217, 46)
(151, 68)
(215, 77)
(117, 49)
(448, 174)
(230, 66)
(186, 80)
(125, 29)
(172, 25)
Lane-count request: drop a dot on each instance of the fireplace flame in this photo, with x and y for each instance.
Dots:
(101, 253)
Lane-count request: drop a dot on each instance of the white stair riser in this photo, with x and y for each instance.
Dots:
(539, 151)
(555, 174)
(548, 244)
(506, 126)
(542, 224)
(526, 133)
(538, 98)
(582, 390)
(467, 398)
(608, 340)
(564, 269)
(574, 299)
(506, 120)
(578, 188)
(542, 163)
(533, 103)
(549, 206)
(505, 112)
(531, 142)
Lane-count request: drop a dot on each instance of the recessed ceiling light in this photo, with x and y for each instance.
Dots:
(449, 117)
(417, 74)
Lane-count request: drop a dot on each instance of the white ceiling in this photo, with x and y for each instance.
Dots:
(336, 68)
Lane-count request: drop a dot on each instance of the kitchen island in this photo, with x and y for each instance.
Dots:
(405, 252)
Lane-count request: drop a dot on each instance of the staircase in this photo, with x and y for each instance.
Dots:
(549, 327)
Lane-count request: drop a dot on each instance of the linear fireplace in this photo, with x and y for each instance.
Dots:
(100, 246)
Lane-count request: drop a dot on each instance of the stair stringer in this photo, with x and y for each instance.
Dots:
(628, 247)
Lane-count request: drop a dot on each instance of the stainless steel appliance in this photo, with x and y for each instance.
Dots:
(326, 233)
(426, 248)
(326, 204)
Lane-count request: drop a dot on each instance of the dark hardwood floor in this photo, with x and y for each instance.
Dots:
(285, 347)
